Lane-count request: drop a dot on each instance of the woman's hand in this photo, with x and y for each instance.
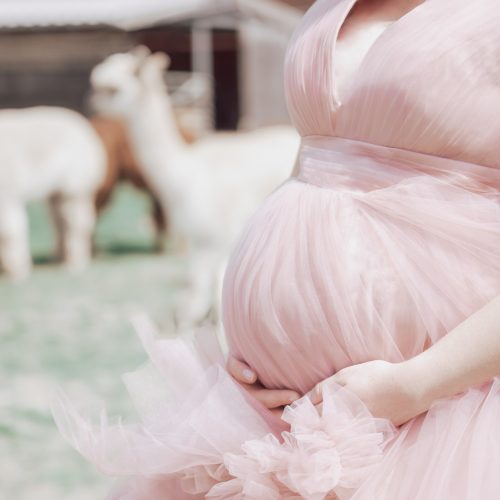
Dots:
(468, 356)
(389, 390)
(273, 399)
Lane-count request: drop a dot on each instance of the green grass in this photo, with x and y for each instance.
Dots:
(73, 330)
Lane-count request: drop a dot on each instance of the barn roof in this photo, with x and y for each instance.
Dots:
(133, 14)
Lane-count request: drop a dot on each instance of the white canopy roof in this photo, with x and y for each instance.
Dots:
(130, 14)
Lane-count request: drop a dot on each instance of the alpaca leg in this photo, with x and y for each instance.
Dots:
(101, 202)
(14, 240)
(103, 197)
(58, 220)
(199, 301)
(77, 215)
(160, 222)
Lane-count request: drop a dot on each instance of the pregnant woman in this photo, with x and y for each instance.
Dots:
(387, 238)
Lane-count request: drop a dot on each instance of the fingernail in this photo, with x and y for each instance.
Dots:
(294, 397)
(248, 374)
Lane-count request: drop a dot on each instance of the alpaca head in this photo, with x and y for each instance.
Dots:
(121, 81)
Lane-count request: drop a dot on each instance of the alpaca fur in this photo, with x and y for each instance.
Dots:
(122, 165)
(48, 153)
(208, 188)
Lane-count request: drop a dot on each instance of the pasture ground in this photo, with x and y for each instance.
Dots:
(57, 328)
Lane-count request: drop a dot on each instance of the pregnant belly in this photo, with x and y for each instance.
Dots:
(323, 278)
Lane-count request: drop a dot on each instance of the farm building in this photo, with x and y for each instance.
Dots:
(48, 47)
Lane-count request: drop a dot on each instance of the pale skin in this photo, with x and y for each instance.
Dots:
(467, 357)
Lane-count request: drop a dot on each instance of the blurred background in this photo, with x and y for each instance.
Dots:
(61, 327)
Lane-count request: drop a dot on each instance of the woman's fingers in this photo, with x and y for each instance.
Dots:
(275, 398)
(316, 394)
(241, 371)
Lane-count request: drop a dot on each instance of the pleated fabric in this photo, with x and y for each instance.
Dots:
(386, 240)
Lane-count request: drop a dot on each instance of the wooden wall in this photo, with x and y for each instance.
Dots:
(52, 67)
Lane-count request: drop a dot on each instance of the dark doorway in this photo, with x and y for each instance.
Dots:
(175, 41)
(227, 109)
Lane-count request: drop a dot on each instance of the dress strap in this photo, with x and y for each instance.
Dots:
(309, 73)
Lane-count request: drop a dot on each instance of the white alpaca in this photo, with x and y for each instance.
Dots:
(53, 153)
(208, 188)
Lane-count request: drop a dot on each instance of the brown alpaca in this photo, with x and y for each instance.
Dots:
(122, 166)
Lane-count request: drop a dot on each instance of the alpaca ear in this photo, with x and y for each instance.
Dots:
(141, 52)
(161, 60)
(151, 70)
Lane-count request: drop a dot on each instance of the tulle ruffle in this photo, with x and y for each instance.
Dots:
(450, 452)
(211, 440)
(328, 450)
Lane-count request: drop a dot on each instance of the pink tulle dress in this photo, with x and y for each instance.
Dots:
(387, 239)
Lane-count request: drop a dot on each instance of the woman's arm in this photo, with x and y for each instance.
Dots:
(468, 356)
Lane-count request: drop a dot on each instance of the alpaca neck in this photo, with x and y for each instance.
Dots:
(160, 149)
(154, 125)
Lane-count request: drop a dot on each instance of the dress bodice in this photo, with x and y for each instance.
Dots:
(430, 82)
